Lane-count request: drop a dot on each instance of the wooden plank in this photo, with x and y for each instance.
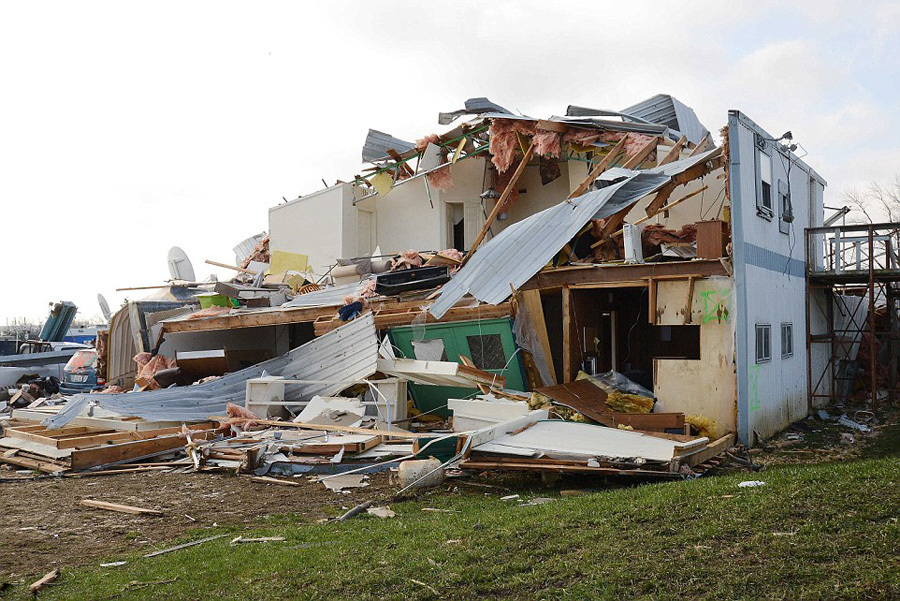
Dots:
(49, 467)
(599, 274)
(120, 508)
(270, 480)
(569, 335)
(98, 439)
(534, 310)
(85, 458)
(498, 206)
(638, 157)
(525, 465)
(688, 312)
(395, 319)
(717, 447)
(334, 447)
(599, 168)
(331, 428)
(674, 153)
(590, 400)
(688, 175)
(652, 300)
(42, 450)
(657, 212)
(703, 145)
(44, 580)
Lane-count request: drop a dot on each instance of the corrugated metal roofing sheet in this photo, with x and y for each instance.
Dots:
(378, 143)
(670, 111)
(346, 354)
(514, 255)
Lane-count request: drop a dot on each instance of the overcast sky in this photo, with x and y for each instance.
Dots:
(127, 128)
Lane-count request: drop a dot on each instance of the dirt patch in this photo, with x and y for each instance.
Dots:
(44, 526)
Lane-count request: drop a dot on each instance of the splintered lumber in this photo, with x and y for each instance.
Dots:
(46, 579)
(599, 168)
(120, 508)
(513, 182)
(184, 546)
(717, 447)
(525, 464)
(270, 480)
(674, 153)
(121, 452)
(638, 157)
(328, 427)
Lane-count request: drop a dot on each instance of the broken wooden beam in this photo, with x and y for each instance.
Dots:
(120, 508)
(44, 580)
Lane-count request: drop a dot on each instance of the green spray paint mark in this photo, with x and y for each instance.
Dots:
(753, 376)
(714, 308)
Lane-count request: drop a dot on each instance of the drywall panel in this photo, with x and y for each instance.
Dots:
(707, 386)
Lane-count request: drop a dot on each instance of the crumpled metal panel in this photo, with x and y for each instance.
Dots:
(667, 110)
(514, 255)
(343, 355)
(378, 143)
(326, 297)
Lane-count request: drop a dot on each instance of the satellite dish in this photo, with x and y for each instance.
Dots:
(180, 267)
(104, 307)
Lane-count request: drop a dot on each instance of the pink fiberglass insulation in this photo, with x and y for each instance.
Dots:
(441, 179)
(148, 366)
(451, 253)
(238, 416)
(505, 142)
(548, 143)
(632, 145)
(422, 143)
(406, 260)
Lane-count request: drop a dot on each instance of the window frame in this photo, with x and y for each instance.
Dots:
(763, 210)
(766, 355)
(788, 327)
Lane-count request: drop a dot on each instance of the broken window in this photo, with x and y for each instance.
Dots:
(787, 340)
(785, 209)
(764, 199)
(763, 342)
(675, 342)
(487, 351)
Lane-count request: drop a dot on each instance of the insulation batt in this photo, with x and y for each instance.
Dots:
(148, 366)
(548, 143)
(504, 140)
(441, 179)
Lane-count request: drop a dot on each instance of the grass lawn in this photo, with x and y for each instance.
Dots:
(813, 531)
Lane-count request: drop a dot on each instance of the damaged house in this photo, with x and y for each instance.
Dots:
(667, 269)
(629, 268)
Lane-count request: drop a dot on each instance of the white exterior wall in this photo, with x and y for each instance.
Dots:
(322, 226)
(770, 283)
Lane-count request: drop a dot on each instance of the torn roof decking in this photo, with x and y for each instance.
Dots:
(389, 312)
(521, 250)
